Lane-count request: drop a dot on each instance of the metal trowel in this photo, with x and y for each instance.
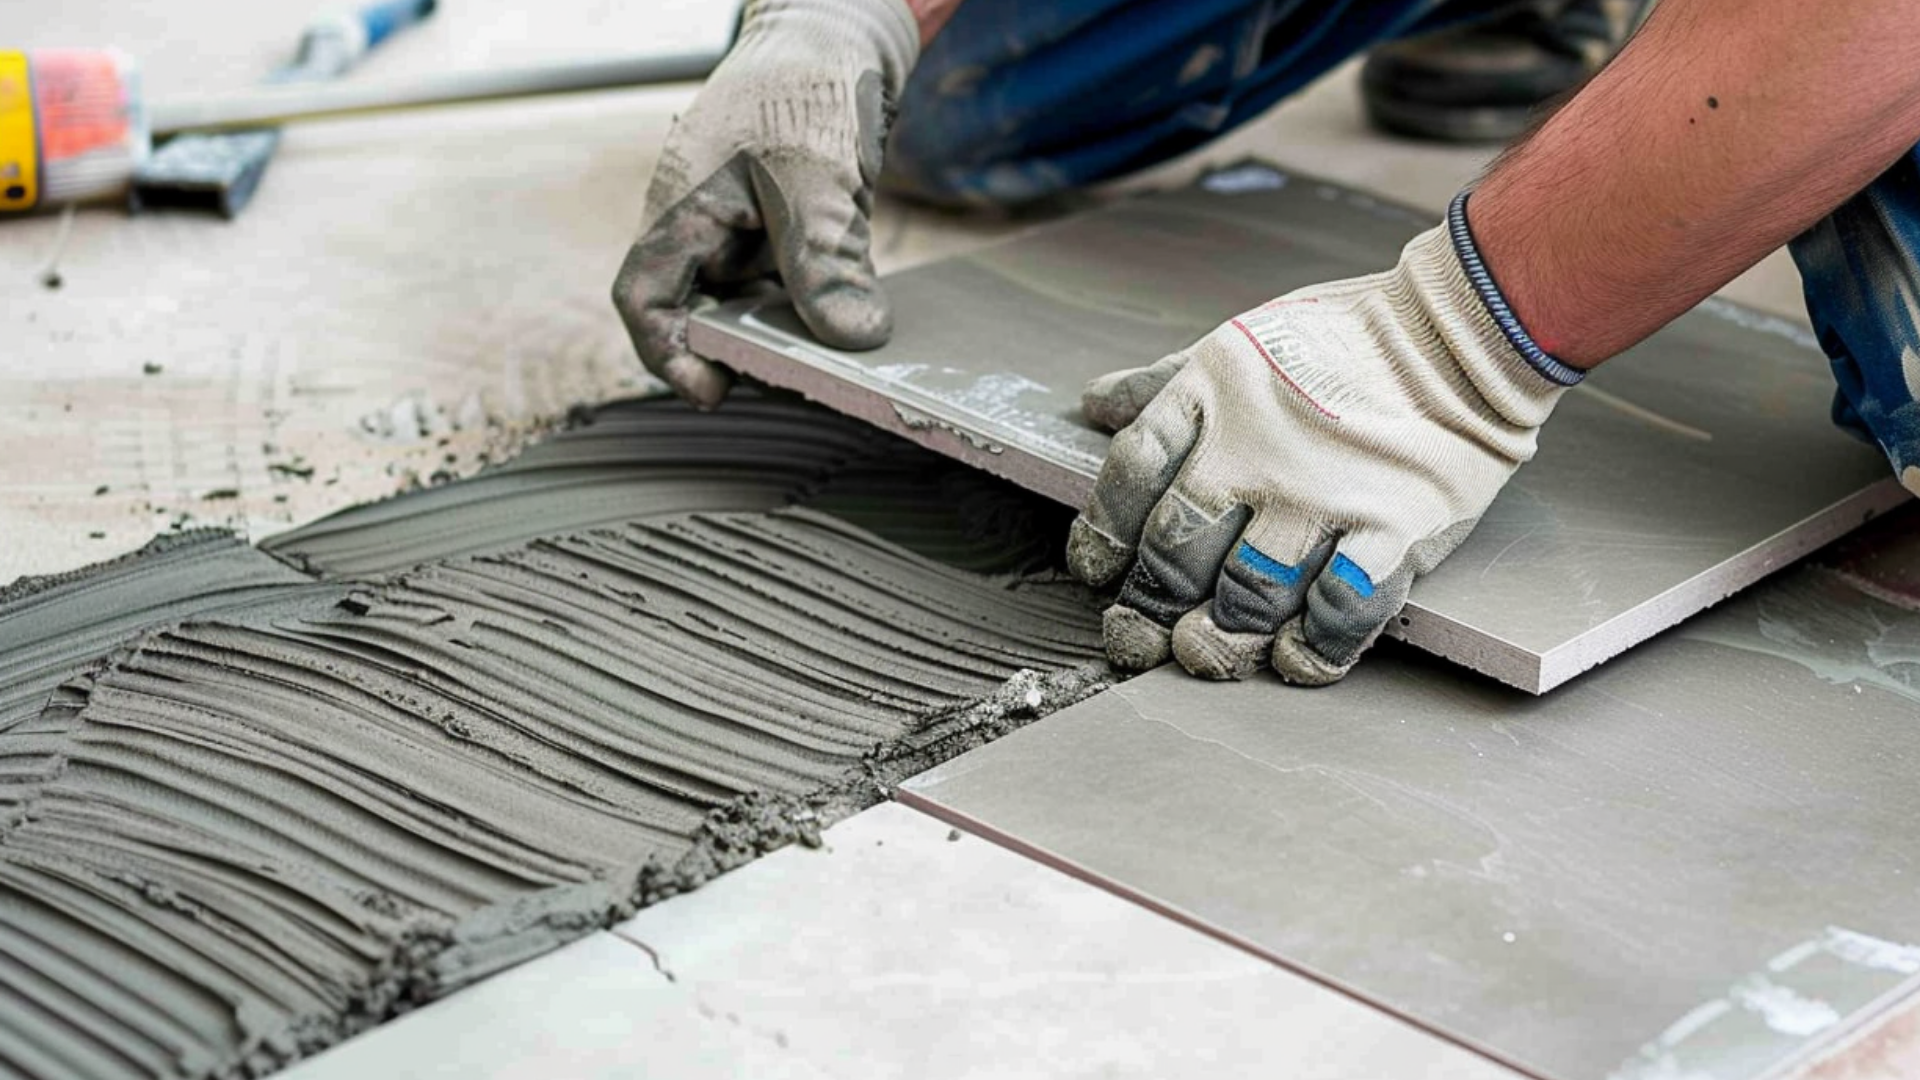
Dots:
(220, 170)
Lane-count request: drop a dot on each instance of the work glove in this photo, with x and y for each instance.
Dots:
(1305, 462)
(770, 173)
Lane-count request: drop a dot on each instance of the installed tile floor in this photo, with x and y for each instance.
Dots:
(593, 1009)
(899, 950)
(1697, 860)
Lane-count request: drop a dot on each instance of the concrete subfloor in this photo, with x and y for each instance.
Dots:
(420, 294)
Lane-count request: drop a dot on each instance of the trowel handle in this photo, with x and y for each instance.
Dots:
(334, 43)
(381, 20)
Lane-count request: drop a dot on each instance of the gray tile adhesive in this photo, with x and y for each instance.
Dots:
(248, 810)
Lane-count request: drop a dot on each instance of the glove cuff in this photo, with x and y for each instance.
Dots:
(887, 28)
(1550, 368)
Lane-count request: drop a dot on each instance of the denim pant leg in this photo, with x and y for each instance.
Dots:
(1860, 267)
(1016, 100)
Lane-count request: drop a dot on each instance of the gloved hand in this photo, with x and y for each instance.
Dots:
(1303, 463)
(771, 172)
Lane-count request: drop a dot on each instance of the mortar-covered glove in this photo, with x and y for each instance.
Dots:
(1303, 463)
(770, 173)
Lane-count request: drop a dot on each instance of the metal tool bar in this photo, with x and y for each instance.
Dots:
(274, 105)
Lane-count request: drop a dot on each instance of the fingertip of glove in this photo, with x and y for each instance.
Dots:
(850, 316)
(1104, 406)
(1093, 556)
(1134, 641)
(1299, 663)
(1209, 652)
(701, 383)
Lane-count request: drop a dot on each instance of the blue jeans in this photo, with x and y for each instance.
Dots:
(1861, 269)
(1020, 99)
(1017, 100)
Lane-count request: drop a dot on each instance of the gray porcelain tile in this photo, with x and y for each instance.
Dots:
(1680, 473)
(594, 1010)
(1698, 861)
(899, 952)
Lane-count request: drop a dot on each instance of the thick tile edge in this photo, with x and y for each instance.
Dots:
(1699, 594)
(1477, 651)
(952, 437)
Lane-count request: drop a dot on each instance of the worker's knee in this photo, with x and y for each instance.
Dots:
(1014, 102)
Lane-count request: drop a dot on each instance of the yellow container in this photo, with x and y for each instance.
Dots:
(19, 146)
(72, 127)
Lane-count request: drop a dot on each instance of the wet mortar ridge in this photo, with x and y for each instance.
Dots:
(254, 802)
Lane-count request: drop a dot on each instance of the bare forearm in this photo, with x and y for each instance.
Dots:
(1725, 128)
(932, 15)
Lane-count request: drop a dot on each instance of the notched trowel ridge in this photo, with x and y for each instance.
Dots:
(247, 811)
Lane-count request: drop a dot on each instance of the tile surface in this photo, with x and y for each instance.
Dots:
(1697, 861)
(896, 951)
(593, 1010)
(1681, 472)
(899, 952)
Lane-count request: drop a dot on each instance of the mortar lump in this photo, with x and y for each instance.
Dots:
(246, 812)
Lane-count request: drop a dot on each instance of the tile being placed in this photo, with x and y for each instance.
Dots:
(1681, 472)
(1698, 861)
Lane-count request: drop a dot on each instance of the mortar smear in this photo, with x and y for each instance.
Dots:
(291, 806)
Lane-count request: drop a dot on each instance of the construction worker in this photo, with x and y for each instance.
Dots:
(1275, 488)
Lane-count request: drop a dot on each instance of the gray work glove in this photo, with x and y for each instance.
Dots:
(1302, 464)
(770, 173)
